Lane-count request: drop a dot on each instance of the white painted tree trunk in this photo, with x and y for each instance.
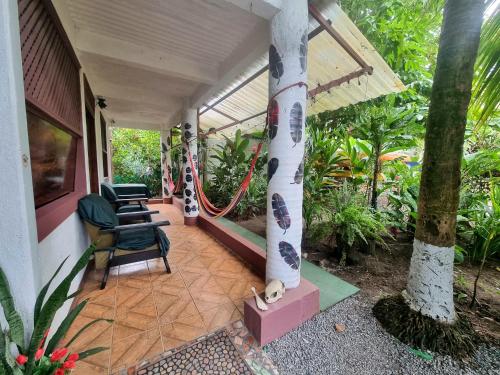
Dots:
(189, 135)
(288, 65)
(166, 164)
(430, 281)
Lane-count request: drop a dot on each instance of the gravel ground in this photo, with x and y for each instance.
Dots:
(363, 348)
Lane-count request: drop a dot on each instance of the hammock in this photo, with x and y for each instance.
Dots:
(204, 203)
(178, 184)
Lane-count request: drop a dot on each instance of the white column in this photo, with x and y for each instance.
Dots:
(189, 139)
(166, 166)
(287, 66)
(18, 237)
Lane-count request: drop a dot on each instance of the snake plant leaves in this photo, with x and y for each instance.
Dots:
(275, 63)
(303, 51)
(296, 117)
(272, 166)
(272, 118)
(280, 211)
(289, 255)
(299, 174)
(11, 315)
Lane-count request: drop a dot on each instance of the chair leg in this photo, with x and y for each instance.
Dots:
(167, 266)
(106, 272)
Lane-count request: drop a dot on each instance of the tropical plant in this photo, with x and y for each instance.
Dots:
(229, 166)
(39, 356)
(347, 222)
(137, 158)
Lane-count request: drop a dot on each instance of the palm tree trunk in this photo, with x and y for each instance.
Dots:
(430, 280)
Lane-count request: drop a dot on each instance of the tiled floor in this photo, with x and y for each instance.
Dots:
(154, 311)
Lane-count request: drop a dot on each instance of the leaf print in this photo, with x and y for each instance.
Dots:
(289, 255)
(272, 118)
(164, 147)
(303, 51)
(187, 125)
(296, 117)
(299, 174)
(280, 212)
(272, 166)
(275, 63)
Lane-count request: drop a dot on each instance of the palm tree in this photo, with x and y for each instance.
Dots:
(430, 281)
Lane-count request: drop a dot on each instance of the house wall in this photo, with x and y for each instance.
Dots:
(18, 238)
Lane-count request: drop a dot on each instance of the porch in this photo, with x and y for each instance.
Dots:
(154, 311)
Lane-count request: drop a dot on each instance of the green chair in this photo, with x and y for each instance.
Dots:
(129, 202)
(119, 244)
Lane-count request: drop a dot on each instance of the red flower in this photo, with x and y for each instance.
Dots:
(21, 359)
(58, 354)
(39, 354)
(68, 365)
(59, 371)
(73, 357)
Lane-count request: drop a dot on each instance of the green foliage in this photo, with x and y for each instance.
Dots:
(346, 221)
(45, 311)
(229, 166)
(137, 158)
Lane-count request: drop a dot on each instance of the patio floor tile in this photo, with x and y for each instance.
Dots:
(154, 311)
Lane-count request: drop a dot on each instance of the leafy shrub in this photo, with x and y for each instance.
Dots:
(137, 158)
(346, 221)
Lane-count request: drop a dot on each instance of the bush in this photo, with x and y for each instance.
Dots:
(137, 158)
(346, 222)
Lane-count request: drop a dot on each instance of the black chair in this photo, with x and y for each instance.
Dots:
(125, 202)
(121, 244)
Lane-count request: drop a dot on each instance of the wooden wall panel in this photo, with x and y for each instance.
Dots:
(51, 71)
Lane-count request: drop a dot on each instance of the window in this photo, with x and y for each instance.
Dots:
(53, 155)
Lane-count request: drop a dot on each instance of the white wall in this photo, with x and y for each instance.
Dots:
(68, 239)
(18, 248)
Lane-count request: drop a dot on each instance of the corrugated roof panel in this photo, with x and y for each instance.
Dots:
(327, 61)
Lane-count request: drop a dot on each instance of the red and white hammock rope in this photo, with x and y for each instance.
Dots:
(203, 201)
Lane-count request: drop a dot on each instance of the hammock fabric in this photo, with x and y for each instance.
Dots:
(204, 203)
(178, 185)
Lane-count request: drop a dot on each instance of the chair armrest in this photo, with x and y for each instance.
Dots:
(136, 213)
(129, 196)
(126, 200)
(153, 224)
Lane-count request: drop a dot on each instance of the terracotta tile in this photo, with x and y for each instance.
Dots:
(172, 283)
(206, 300)
(172, 307)
(182, 331)
(133, 349)
(220, 316)
(98, 335)
(127, 297)
(94, 294)
(133, 319)
(135, 275)
(157, 266)
(191, 276)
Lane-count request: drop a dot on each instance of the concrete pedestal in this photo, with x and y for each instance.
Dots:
(297, 306)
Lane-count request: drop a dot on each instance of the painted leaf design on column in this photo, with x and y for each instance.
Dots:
(299, 174)
(275, 63)
(303, 51)
(272, 118)
(272, 166)
(164, 147)
(280, 211)
(289, 255)
(296, 117)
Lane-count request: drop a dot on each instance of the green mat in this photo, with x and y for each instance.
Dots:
(332, 289)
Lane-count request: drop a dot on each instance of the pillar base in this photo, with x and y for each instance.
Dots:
(167, 200)
(191, 220)
(297, 306)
